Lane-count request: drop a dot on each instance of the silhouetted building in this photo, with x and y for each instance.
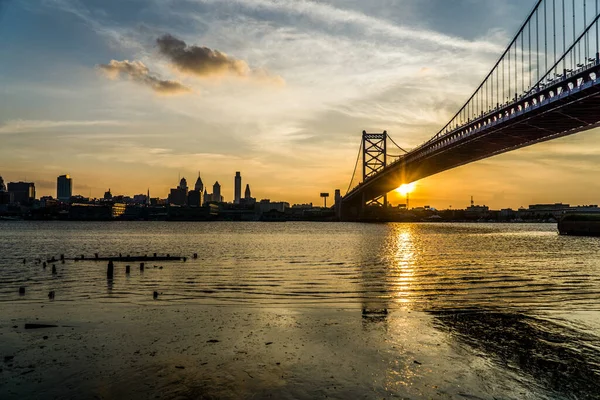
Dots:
(237, 188)
(199, 186)
(64, 188)
(338, 203)
(179, 196)
(247, 193)
(266, 206)
(5, 197)
(22, 192)
(108, 195)
(183, 184)
(194, 198)
(216, 194)
(140, 199)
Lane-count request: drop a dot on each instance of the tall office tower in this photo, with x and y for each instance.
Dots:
(216, 194)
(2, 186)
(64, 188)
(238, 188)
(183, 185)
(247, 194)
(199, 186)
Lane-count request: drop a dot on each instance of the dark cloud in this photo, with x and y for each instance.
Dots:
(138, 72)
(200, 61)
(203, 61)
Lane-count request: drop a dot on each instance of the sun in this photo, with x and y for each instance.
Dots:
(406, 188)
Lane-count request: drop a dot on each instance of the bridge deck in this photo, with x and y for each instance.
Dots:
(565, 108)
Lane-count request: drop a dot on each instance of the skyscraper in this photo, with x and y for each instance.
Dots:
(64, 188)
(183, 185)
(199, 185)
(2, 186)
(238, 188)
(216, 194)
(247, 194)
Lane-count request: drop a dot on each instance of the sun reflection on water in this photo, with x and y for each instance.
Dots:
(402, 270)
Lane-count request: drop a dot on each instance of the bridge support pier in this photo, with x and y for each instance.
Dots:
(374, 152)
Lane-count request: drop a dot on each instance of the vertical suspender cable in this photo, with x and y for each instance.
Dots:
(545, 37)
(564, 35)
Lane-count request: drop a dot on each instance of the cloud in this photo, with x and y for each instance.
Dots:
(205, 62)
(20, 125)
(138, 72)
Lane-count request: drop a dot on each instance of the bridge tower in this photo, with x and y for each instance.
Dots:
(374, 149)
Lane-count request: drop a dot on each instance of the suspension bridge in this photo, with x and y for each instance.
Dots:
(544, 86)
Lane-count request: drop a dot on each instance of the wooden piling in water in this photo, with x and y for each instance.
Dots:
(110, 270)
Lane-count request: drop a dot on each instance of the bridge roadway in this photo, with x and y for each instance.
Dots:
(568, 105)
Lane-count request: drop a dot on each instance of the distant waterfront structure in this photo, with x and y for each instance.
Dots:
(238, 188)
(179, 195)
(338, 203)
(5, 197)
(21, 192)
(324, 196)
(216, 194)
(199, 188)
(247, 194)
(183, 184)
(64, 188)
(108, 195)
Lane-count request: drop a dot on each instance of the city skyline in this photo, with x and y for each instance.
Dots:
(297, 96)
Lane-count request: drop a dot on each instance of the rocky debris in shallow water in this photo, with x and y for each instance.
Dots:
(268, 343)
(212, 341)
(51, 295)
(179, 367)
(155, 295)
(22, 290)
(416, 362)
(54, 270)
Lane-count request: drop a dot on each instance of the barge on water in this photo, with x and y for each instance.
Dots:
(580, 224)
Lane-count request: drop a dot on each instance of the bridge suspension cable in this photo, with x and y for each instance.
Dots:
(350, 185)
(533, 57)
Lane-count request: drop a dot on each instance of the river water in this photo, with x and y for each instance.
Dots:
(302, 310)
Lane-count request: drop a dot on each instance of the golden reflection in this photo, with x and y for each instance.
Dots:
(403, 273)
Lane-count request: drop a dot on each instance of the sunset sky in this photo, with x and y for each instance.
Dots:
(129, 95)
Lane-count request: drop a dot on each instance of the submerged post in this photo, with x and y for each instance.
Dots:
(110, 270)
